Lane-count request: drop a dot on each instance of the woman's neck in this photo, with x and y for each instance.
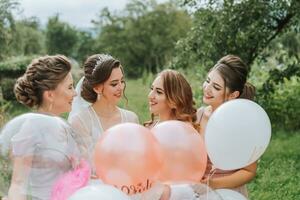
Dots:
(104, 108)
(43, 110)
(165, 117)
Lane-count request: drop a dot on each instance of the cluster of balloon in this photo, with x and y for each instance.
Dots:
(131, 157)
(183, 151)
(237, 134)
(128, 157)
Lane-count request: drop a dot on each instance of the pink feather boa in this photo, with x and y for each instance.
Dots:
(71, 181)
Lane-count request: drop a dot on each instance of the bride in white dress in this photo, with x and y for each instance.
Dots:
(95, 108)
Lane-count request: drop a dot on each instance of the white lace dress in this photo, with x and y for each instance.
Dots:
(87, 124)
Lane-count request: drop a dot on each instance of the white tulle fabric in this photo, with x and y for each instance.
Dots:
(86, 122)
(88, 125)
(50, 145)
(78, 102)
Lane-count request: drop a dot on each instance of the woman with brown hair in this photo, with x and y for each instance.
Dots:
(43, 146)
(171, 98)
(103, 86)
(227, 80)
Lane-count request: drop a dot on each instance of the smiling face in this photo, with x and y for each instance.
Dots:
(214, 89)
(158, 103)
(63, 96)
(113, 88)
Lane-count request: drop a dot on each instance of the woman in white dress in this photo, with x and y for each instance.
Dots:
(42, 145)
(102, 86)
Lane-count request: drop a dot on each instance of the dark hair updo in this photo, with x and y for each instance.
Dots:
(97, 70)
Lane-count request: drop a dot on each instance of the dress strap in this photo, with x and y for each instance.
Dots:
(200, 114)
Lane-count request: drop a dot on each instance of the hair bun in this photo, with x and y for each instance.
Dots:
(25, 92)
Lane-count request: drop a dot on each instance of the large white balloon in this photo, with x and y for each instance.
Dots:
(237, 134)
(99, 191)
(227, 194)
(192, 191)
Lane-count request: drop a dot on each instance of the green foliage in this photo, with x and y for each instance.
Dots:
(277, 80)
(14, 66)
(143, 36)
(6, 27)
(61, 38)
(4, 108)
(5, 174)
(85, 46)
(7, 87)
(243, 28)
(29, 39)
(283, 105)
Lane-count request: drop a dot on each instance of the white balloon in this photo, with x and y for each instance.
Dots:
(99, 191)
(192, 191)
(237, 134)
(227, 194)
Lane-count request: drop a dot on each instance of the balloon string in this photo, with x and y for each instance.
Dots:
(211, 173)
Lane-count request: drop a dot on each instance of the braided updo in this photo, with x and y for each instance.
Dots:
(42, 74)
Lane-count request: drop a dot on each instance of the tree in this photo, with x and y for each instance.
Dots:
(6, 26)
(244, 28)
(85, 45)
(29, 38)
(61, 38)
(144, 35)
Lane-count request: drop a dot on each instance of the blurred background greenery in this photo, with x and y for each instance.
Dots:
(187, 35)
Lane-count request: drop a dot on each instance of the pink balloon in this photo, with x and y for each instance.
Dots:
(129, 157)
(183, 150)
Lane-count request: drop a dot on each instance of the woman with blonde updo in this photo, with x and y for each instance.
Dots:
(43, 146)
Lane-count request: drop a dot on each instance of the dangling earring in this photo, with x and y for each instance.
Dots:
(99, 96)
(50, 107)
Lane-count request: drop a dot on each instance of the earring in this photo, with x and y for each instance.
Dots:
(99, 96)
(50, 107)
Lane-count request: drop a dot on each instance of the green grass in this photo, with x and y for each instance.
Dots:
(278, 176)
(137, 94)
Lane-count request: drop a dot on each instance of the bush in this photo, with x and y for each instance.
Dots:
(7, 86)
(283, 106)
(14, 66)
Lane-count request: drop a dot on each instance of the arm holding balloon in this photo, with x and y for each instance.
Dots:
(237, 179)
